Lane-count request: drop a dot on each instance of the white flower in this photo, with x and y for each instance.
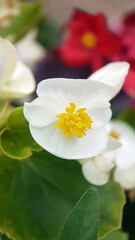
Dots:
(16, 80)
(29, 50)
(125, 156)
(113, 74)
(68, 117)
(97, 170)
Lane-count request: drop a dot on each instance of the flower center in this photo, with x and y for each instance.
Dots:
(114, 134)
(89, 40)
(75, 122)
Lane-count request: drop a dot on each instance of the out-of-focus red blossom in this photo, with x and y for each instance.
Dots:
(88, 41)
(127, 35)
(129, 20)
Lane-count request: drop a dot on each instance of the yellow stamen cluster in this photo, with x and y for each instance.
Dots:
(114, 134)
(75, 122)
(89, 40)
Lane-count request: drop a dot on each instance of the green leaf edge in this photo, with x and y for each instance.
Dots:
(8, 128)
(123, 198)
(88, 191)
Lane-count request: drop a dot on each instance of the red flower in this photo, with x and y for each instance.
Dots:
(128, 53)
(129, 20)
(129, 84)
(88, 41)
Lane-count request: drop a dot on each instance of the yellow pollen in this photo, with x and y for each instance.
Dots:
(114, 134)
(89, 40)
(74, 122)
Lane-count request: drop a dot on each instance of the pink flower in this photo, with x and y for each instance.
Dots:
(127, 35)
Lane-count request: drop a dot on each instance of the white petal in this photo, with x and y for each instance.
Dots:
(8, 59)
(20, 84)
(125, 155)
(99, 116)
(113, 144)
(54, 141)
(112, 74)
(33, 50)
(105, 161)
(93, 174)
(79, 90)
(125, 177)
(42, 111)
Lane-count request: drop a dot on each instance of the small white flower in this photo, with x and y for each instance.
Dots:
(125, 156)
(29, 50)
(113, 74)
(16, 79)
(97, 170)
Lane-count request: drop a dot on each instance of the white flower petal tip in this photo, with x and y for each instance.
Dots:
(16, 79)
(8, 59)
(113, 144)
(112, 74)
(93, 174)
(33, 53)
(125, 177)
(68, 117)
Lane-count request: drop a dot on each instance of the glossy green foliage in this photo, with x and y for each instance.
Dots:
(82, 223)
(15, 138)
(38, 193)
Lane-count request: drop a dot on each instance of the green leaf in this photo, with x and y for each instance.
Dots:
(112, 200)
(21, 24)
(48, 33)
(4, 237)
(16, 140)
(128, 116)
(5, 110)
(37, 194)
(116, 235)
(82, 223)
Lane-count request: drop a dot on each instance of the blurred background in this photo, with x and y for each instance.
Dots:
(61, 10)
(48, 40)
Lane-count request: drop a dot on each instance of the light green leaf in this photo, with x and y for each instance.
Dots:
(21, 24)
(112, 200)
(37, 194)
(5, 110)
(16, 140)
(116, 235)
(82, 223)
(128, 116)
